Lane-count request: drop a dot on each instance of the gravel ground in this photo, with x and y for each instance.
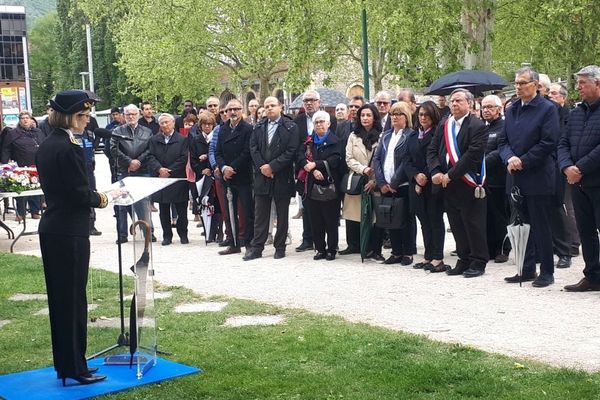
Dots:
(547, 325)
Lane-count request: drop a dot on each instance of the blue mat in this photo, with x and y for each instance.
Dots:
(42, 383)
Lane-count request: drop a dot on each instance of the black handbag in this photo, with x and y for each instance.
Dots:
(390, 212)
(326, 192)
(352, 183)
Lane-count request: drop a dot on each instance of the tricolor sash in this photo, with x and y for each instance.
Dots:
(454, 154)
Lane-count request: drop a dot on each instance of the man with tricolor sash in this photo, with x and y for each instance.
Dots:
(456, 161)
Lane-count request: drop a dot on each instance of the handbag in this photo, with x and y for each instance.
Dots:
(390, 212)
(326, 192)
(352, 183)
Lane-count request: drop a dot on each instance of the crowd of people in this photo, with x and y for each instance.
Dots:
(379, 166)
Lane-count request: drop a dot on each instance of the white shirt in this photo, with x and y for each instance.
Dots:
(388, 165)
(384, 120)
(458, 124)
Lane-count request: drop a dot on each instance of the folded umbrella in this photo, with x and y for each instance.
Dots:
(518, 230)
(366, 223)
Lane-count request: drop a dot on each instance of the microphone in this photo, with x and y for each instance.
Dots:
(106, 134)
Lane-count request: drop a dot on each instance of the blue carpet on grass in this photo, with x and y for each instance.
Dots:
(42, 383)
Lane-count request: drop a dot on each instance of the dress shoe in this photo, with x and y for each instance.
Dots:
(575, 252)
(36, 216)
(319, 256)
(563, 262)
(87, 379)
(393, 260)
(251, 255)
(387, 244)
(173, 222)
(349, 250)
(543, 280)
(230, 250)
(501, 258)
(184, 240)
(226, 243)
(406, 260)
(330, 256)
(441, 267)
(421, 265)
(583, 286)
(375, 256)
(121, 240)
(516, 278)
(460, 267)
(92, 370)
(95, 232)
(454, 253)
(304, 246)
(279, 253)
(473, 273)
(166, 242)
(153, 239)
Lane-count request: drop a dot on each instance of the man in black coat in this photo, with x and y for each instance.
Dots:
(132, 158)
(168, 158)
(273, 147)
(579, 160)
(455, 158)
(311, 100)
(528, 147)
(498, 211)
(233, 159)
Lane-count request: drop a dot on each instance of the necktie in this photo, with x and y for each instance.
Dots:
(271, 131)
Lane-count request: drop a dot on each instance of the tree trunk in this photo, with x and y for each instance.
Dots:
(264, 91)
(477, 20)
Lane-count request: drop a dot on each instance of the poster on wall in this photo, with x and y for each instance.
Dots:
(10, 106)
(22, 98)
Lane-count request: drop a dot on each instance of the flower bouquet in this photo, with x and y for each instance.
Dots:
(18, 179)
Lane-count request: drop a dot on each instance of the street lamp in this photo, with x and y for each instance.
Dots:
(83, 74)
(365, 44)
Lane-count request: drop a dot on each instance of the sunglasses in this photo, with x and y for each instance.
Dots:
(233, 109)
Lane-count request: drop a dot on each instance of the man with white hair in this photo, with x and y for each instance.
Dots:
(311, 101)
(497, 214)
(579, 160)
(383, 101)
(132, 160)
(168, 158)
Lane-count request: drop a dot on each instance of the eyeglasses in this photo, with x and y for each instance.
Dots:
(382, 103)
(310, 100)
(353, 106)
(321, 121)
(489, 107)
(131, 114)
(397, 115)
(522, 83)
(233, 109)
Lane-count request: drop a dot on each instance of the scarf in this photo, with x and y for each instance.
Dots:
(319, 141)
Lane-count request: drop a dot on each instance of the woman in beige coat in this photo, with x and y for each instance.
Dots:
(361, 146)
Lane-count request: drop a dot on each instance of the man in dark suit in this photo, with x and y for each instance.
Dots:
(233, 159)
(273, 147)
(528, 148)
(168, 158)
(383, 101)
(311, 100)
(578, 159)
(455, 158)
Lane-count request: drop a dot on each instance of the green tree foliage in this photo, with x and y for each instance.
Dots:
(557, 38)
(43, 61)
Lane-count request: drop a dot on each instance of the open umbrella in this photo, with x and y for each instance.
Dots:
(366, 223)
(474, 81)
(518, 231)
(138, 303)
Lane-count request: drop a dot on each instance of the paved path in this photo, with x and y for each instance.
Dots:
(547, 324)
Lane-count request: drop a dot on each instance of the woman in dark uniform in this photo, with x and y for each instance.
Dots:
(64, 233)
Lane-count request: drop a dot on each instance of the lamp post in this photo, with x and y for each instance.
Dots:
(365, 52)
(83, 74)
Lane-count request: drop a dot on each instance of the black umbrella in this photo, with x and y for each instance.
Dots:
(474, 81)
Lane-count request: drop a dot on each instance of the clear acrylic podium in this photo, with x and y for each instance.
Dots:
(142, 343)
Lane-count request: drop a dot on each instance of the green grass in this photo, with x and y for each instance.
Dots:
(308, 357)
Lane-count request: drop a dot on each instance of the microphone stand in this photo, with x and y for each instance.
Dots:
(123, 338)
